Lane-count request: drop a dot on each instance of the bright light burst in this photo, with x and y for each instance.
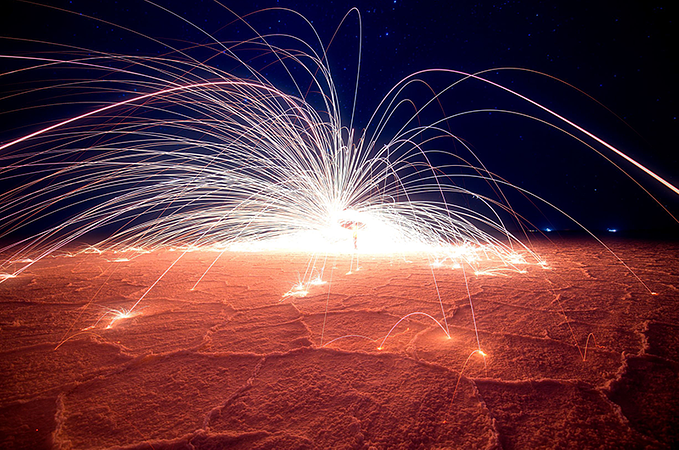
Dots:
(197, 156)
(181, 154)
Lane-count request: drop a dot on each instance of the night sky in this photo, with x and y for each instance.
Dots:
(620, 53)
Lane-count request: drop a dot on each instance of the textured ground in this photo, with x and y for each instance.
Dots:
(233, 364)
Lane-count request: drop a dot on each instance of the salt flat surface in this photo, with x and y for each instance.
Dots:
(580, 355)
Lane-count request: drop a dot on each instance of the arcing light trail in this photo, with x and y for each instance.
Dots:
(198, 157)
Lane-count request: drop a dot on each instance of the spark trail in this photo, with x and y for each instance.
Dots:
(199, 157)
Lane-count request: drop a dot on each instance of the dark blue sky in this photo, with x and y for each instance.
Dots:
(620, 53)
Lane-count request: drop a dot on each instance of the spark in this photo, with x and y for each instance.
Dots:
(117, 315)
(298, 290)
(459, 377)
(22, 261)
(6, 276)
(437, 264)
(416, 313)
(317, 282)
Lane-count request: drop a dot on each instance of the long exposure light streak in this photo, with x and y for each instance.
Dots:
(202, 158)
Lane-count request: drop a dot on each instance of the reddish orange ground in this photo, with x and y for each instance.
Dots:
(230, 365)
